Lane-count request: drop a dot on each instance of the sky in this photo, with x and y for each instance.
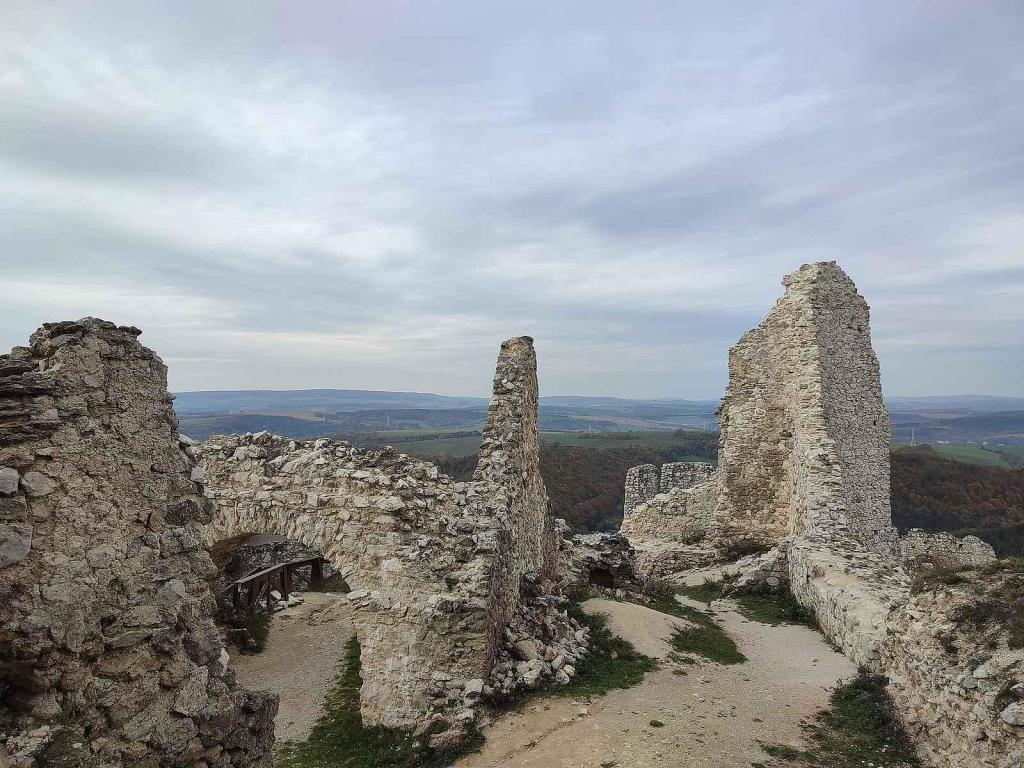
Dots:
(374, 194)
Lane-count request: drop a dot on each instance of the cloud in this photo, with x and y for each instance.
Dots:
(374, 195)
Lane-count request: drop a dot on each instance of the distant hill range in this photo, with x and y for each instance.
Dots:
(309, 413)
(319, 412)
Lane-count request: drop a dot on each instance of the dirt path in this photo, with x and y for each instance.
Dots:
(713, 716)
(301, 660)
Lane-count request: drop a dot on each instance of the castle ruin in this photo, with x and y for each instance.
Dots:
(107, 619)
(803, 480)
(109, 655)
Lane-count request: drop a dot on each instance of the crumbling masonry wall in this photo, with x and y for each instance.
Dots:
(665, 528)
(438, 568)
(416, 555)
(641, 486)
(804, 433)
(108, 651)
(958, 686)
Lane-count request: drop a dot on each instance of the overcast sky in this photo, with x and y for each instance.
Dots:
(374, 194)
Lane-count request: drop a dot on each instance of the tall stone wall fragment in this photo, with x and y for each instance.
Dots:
(804, 434)
(508, 468)
(108, 651)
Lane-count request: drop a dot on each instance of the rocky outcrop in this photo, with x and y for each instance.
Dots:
(445, 575)
(108, 651)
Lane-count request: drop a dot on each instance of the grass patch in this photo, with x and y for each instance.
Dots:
(706, 639)
(775, 608)
(859, 729)
(707, 592)
(339, 737)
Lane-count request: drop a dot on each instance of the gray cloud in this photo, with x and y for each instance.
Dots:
(373, 195)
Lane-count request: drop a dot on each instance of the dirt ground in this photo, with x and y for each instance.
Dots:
(300, 661)
(713, 716)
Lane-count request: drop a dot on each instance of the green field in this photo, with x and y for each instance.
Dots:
(971, 454)
(467, 446)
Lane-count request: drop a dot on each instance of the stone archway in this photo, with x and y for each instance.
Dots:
(399, 531)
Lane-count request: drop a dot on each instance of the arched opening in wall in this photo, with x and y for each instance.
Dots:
(286, 620)
(601, 577)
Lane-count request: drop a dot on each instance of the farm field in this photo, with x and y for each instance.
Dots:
(972, 454)
(468, 445)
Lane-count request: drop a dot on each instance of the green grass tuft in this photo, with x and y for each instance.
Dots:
(706, 639)
(707, 592)
(775, 608)
(859, 729)
(611, 664)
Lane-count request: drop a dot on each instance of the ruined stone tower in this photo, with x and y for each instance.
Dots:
(108, 651)
(805, 435)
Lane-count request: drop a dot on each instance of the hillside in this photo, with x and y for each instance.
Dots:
(586, 484)
(936, 493)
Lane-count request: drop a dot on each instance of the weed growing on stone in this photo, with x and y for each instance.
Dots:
(774, 608)
(928, 574)
(1001, 604)
(339, 737)
(859, 729)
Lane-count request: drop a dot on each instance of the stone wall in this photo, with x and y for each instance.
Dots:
(108, 651)
(944, 548)
(646, 481)
(849, 588)
(668, 530)
(804, 434)
(641, 486)
(958, 686)
(448, 578)
(684, 474)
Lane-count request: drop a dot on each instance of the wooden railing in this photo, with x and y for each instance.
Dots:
(252, 593)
